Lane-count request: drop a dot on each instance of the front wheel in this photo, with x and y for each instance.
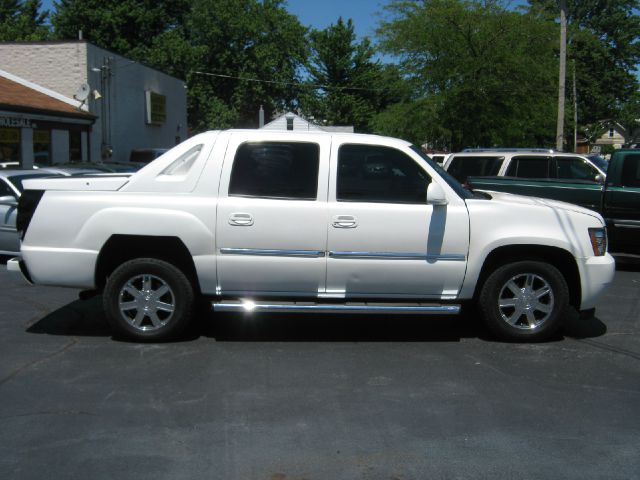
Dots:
(524, 301)
(149, 300)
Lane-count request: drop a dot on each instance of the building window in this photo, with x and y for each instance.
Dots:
(9, 144)
(289, 123)
(611, 133)
(75, 146)
(42, 147)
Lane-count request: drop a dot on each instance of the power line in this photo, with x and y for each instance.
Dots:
(280, 82)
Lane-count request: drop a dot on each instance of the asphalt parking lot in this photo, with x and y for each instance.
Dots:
(322, 397)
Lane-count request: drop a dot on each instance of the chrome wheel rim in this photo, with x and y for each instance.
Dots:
(526, 301)
(146, 302)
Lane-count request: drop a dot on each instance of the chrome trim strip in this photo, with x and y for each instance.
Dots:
(266, 252)
(398, 256)
(250, 306)
(626, 223)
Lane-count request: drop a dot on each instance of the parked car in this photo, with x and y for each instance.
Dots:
(11, 188)
(146, 155)
(616, 197)
(439, 158)
(525, 163)
(256, 220)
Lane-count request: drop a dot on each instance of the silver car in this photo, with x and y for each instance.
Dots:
(10, 191)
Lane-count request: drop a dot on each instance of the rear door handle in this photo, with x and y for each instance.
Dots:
(241, 219)
(344, 221)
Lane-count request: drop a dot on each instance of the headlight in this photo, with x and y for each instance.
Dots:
(598, 238)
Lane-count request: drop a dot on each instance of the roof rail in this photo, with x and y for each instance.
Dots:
(536, 150)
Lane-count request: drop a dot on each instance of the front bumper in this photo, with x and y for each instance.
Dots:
(596, 274)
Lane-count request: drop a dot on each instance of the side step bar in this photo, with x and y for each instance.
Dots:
(249, 306)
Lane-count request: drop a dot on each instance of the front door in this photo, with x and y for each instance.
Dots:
(271, 217)
(384, 241)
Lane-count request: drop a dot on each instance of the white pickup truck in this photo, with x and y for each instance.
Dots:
(259, 221)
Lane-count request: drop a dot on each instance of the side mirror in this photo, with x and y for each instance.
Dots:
(435, 195)
(9, 201)
(599, 178)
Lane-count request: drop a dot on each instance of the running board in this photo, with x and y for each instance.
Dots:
(248, 306)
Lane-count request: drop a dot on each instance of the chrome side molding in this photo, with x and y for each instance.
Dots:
(249, 306)
(266, 252)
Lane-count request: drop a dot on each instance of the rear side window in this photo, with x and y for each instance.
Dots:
(574, 168)
(287, 170)
(631, 171)
(462, 167)
(529, 167)
(371, 173)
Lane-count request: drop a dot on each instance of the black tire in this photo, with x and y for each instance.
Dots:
(524, 301)
(148, 300)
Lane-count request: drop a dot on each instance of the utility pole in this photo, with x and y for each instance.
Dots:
(562, 77)
(575, 110)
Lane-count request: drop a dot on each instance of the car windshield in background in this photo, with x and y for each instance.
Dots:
(452, 182)
(599, 162)
(17, 180)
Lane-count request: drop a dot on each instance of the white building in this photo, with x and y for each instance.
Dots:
(292, 121)
(134, 106)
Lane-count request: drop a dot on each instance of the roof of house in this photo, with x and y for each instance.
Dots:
(18, 96)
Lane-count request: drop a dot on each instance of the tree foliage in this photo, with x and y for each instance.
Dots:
(346, 86)
(604, 44)
(123, 26)
(22, 21)
(224, 48)
(488, 74)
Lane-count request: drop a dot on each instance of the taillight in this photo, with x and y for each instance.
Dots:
(27, 205)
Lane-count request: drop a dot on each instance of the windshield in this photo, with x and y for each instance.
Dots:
(17, 180)
(452, 182)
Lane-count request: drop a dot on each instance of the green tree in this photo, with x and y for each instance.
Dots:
(22, 21)
(346, 86)
(487, 73)
(124, 26)
(235, 55)
(604, 43)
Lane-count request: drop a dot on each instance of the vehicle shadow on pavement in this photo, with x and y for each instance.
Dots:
(81, 318)
(627, 263)
(85, 318)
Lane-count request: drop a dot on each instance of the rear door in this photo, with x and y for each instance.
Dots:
(622, 204)
(578, 182)
(271, 217)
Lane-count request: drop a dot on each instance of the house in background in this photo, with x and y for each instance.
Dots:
(294, 122)
(134, 106)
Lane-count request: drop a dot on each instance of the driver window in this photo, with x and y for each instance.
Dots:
(5, 191)
(371, 173)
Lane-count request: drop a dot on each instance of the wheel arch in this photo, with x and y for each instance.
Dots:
(120, 248)
(558, 257)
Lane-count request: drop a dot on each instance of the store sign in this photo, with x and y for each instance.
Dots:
(156, 108)
(16, 122)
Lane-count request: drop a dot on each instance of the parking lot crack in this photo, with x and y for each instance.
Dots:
(40, 361)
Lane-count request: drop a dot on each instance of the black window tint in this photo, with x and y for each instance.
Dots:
(369, 173)
(631, 171)
(276, 170)
(529, 167)
(463, 167)
(574, 168)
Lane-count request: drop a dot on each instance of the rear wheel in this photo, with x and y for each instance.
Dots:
(147, 299)
(524, 301)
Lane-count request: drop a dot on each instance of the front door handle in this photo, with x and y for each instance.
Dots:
(344, 221)
(241, 219)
